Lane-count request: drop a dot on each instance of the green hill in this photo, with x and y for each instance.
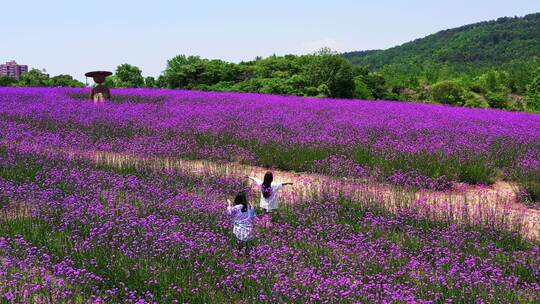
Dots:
(476, 46)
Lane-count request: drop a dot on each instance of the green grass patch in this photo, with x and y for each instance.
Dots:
(3, 150)
(21, 172)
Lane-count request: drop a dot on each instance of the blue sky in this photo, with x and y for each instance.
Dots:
(77, 36)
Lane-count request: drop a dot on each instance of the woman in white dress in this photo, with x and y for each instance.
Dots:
(269, 192)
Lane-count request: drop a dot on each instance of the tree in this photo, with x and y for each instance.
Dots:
(65, 81)
(150, 82)
(519, 75)
(494, 81)
(176, 73)
(129, 76)
(474, 100)
(112, 82)
(447, 92)
(7, 81)
(490, 81)
(362, 71)
(331, 70)
(161, 83)
(191, 72)
(216, 71)
(377, 85)
(533, 93)
(361, 90)
(34, 78)
(322, 74)
(497, 100)
(277, 66)
(275, 86)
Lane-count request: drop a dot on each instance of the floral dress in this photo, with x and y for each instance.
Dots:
(243, 222)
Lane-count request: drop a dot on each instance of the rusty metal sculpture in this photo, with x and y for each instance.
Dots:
(100, 92)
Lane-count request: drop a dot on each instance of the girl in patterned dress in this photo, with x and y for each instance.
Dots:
(243, 215)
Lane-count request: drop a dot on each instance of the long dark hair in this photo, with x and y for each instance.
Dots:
(266, 187)
(241, 199)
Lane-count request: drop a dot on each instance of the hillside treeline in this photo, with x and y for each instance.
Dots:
(328, 74)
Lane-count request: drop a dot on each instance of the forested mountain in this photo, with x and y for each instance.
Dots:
(486, 64)
(481, 45)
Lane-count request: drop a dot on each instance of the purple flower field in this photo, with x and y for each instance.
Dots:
(75, 231)
(291, 133)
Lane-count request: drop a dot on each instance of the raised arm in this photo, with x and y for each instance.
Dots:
(255, 180)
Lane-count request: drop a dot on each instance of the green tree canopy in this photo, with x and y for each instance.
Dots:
(65, 81)
(447, 92)
(7, 81)
(533, 92)
(361, 90)
(34, 78)
(128, 75)
(150, 82)
(192, 72)
(331, 70)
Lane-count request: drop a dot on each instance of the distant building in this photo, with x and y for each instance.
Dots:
(12, 69)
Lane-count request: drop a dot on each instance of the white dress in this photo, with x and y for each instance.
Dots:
(270, 203)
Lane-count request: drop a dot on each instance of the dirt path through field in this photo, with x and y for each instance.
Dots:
(494, 205)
